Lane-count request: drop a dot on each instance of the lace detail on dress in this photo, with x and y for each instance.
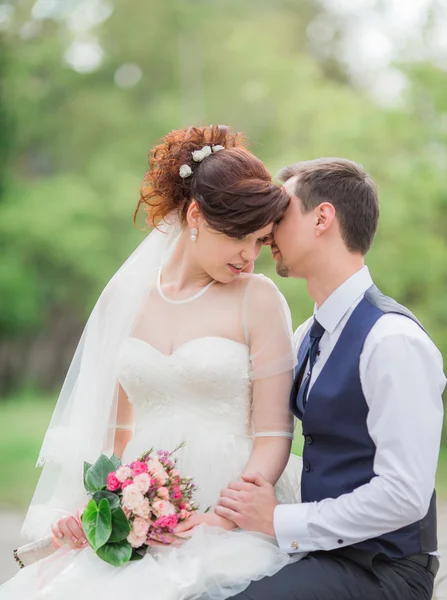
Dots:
(207, 376)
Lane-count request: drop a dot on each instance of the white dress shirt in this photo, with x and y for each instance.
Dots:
(401, 374)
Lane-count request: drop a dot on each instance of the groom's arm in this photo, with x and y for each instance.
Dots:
(402, 380)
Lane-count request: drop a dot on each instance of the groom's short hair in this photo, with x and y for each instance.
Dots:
(348, 187)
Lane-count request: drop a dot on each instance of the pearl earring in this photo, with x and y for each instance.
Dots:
(194, 233)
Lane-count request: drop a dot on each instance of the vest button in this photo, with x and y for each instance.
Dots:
(340, 541)
(307, 467)
(309, 439)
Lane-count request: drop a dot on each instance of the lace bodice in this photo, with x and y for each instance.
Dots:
(207, 376)
(200, 395)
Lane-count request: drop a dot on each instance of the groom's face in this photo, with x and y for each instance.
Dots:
(293, 237)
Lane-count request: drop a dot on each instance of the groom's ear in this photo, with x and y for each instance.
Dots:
(324, 217)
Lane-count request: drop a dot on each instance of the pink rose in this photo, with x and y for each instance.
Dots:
(126, 483)
(113, 483)
(143, 508)
(134, 540)
(143, 482)
(140, 527)
(187, 506)
(184, 514)
(175, 474)
(163, 508)
(123, 473)
(169, 522)
(163, 493)
(177, 492)
(132, 497)
(139, 467)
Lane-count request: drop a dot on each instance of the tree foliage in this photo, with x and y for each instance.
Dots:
(73, 149)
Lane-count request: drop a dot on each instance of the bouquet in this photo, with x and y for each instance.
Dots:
(132, 504)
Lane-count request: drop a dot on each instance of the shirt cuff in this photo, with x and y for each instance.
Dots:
(290, 525)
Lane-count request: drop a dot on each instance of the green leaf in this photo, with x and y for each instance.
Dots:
(96, 476)
(120, 526)
(137, 554)
(97, 523)
(112, 499)
(86, 468)
(116, 554)
(116, 461)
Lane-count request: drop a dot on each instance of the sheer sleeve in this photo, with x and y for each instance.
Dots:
(124, 427)
(268, 328)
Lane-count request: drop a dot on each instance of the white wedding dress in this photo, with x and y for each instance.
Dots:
(201, 393)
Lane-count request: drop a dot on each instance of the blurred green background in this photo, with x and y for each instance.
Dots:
(87, 87)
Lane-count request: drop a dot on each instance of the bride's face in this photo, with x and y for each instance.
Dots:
(224, 258)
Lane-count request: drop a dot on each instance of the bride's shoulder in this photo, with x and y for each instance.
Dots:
(259, 282)
(261, 291)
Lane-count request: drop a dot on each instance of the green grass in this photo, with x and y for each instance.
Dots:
(23, 422)
(441, 476)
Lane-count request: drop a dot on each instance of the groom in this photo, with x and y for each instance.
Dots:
(367, 389)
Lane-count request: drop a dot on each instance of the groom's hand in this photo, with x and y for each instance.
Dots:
(249, 503)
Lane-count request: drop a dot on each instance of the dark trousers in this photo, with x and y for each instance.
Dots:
(333, 576)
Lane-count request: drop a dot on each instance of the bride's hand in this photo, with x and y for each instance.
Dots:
(185, 527)
(69, 530)
(210, 519)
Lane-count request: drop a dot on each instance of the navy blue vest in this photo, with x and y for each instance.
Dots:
(338, 453)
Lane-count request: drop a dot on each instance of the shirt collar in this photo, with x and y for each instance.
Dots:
(340, 301)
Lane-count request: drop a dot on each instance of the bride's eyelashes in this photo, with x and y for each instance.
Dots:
(265, 240)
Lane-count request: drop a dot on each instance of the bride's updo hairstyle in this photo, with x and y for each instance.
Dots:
(232, 187)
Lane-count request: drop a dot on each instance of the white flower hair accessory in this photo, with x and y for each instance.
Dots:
(185, 171)
(198, 156)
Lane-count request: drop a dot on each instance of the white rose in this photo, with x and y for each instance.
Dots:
(156, 470)
(185, 171)
(163, 493)
(143, 509)
(163, 508)
(218, 147)
(123, 473)
(140, 527)
(143, 482)
(206, 151)
(134, 540)
(131, 497)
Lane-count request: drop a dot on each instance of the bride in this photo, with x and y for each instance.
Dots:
(183, 345)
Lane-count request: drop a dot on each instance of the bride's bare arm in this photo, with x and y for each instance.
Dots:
(124, 423)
